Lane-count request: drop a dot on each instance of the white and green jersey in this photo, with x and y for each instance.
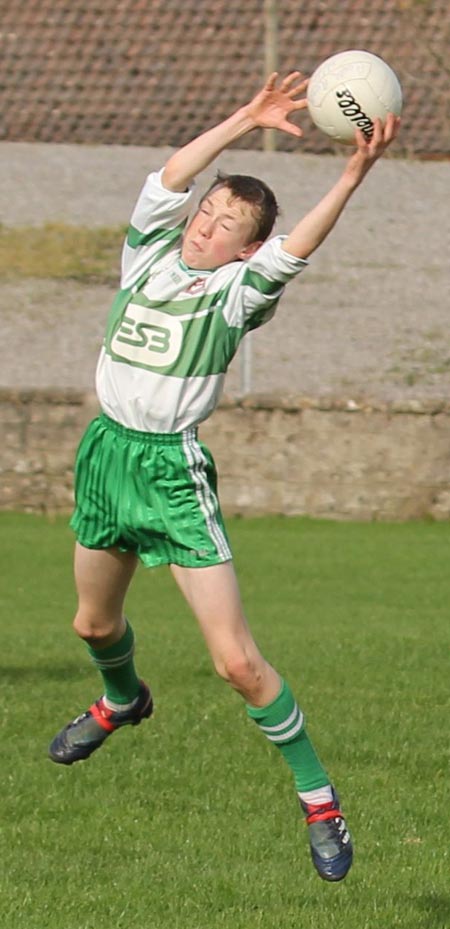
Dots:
(172, 330)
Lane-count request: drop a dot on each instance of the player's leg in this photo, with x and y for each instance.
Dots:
(213, 595)
(102, 578)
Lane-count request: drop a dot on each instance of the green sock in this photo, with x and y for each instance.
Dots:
(116, 665)
(283, 724)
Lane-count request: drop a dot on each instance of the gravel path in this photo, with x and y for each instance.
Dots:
(368, 319)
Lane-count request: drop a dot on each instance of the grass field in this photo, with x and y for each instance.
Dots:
(59, 250)
(190, 821)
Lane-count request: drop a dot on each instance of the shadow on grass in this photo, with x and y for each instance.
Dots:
(12, 674)
(437, 909)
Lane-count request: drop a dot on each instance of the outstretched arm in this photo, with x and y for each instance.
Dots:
(270, 108)
(308, 234)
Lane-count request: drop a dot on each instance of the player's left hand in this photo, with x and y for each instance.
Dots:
(369, 150)
(272, 106)
(382, 137)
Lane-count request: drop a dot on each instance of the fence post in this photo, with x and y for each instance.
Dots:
(270, 60)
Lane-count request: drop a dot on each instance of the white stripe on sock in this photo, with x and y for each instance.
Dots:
(317, 797)
(290, 733)
(287, 722)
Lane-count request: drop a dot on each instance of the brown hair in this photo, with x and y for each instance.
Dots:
(255, 192)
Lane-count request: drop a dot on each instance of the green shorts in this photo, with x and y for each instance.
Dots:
(152, 494)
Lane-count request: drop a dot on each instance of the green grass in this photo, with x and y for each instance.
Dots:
(59, 250)
(190, 821)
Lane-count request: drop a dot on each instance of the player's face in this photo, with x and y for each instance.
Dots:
(220, 232)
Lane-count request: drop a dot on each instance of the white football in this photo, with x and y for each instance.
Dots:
(349, 90)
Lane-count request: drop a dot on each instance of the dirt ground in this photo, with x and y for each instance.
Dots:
(368, 319)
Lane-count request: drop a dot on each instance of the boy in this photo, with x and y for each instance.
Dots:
(145, 485)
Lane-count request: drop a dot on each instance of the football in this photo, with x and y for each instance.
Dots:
(349, 90)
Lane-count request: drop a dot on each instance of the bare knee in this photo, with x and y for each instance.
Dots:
(243, 672)
(97, 629)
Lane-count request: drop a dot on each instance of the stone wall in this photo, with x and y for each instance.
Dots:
(332, 459)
